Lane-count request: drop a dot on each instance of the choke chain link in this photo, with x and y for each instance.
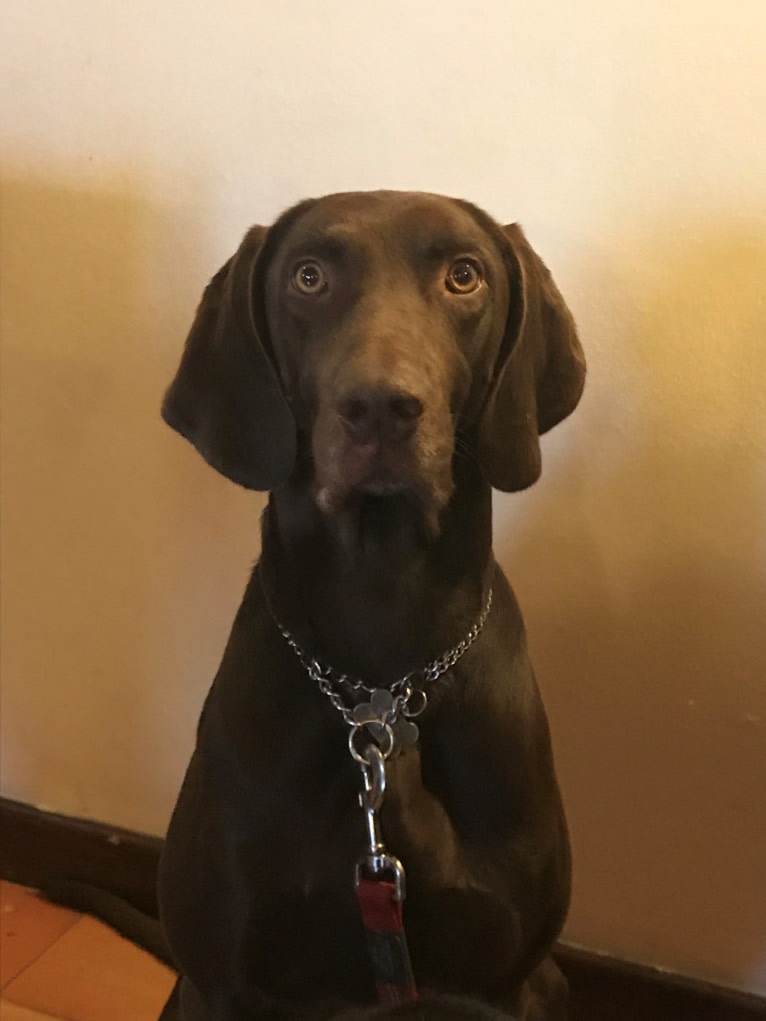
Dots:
(408, 692)
(385, 724)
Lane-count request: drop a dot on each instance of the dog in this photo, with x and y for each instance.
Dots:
(378, 362)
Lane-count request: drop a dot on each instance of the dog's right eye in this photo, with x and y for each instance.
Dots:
(309, 278)
(463, 277)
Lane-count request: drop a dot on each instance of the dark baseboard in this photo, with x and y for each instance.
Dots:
(37, 847)
(604, 988)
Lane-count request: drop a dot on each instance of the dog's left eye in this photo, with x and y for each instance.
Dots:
(309, 278)
(463, 276)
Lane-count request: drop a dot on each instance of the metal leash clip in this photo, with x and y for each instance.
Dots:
(380, 892)
(377, 862)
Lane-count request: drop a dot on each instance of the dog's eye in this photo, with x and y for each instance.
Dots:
(309, 278)
(463, 276)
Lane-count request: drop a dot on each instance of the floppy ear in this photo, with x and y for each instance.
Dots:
(539, 375)
(226, 398)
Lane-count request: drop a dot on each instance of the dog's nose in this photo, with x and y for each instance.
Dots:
(379, 414)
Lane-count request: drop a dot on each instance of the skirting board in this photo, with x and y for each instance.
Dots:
(37, 846)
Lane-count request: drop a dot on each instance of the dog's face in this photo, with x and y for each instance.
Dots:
(390, 310)
(363, 332)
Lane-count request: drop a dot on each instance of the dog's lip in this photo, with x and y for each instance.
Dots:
(380, 479)
(382, 485)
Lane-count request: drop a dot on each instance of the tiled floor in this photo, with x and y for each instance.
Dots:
(57, 964)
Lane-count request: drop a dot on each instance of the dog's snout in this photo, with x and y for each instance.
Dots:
(379, 414)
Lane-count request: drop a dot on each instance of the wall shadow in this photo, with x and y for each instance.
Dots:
(118, 543)
(640, 563)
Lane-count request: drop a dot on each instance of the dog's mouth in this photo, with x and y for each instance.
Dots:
(374, 480)
(355, 471)
(379, 504)
(382, 518)
(381, 480)
(379, 487)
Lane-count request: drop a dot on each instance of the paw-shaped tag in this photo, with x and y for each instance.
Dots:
(406, 734)
(377, 716)
(377, 711)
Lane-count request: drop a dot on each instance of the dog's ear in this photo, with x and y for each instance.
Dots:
(539, 374)
(226, 397)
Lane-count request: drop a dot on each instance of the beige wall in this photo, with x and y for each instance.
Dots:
(141, 139)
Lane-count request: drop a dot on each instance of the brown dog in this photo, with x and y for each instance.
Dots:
(378, 361)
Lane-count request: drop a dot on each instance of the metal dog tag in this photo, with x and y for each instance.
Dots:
(406, 734)
(377, 711)
(377, 714)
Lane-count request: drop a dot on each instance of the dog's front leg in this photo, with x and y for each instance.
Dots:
(417, 825)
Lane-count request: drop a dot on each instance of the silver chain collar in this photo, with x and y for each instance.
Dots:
(388, 714)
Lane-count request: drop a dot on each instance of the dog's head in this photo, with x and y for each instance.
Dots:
(364, 332)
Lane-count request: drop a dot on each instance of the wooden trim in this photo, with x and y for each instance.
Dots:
(37, 847)
(604, 988)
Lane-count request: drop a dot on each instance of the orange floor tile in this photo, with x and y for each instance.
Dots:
(57, 964)
(27, 929)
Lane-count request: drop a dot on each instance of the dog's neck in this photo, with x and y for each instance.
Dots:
(369, 590)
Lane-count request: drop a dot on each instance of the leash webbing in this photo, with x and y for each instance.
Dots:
(381, 908)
